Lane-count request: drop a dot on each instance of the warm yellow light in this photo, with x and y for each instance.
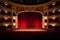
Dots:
(14, 24)
(53, 3)
(53, 11)
(14, 17)
(45, 23)
(59, 10)
(6, 4)
(6, 11)
(53, 25)
(6, 18)
(45, 17)
(6, 25)
(53, 17)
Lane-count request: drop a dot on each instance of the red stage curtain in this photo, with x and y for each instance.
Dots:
(29, 20)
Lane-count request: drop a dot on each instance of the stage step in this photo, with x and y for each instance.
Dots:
(30, 30)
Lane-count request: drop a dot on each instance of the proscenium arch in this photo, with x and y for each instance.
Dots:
(29, 11)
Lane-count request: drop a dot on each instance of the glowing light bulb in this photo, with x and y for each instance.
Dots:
(14, 24)
(45, 23)
(53, 17)
(6, 25)
(14, 17)
(6, 11)
(6, 18)
(6, 4)
(59, 10)
(53, 4)
(45, 17)
(53, 25)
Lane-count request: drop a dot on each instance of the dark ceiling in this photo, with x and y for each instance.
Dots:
(30, 2)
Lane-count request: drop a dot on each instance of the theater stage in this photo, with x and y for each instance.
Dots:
(30, 30)
(29, 21)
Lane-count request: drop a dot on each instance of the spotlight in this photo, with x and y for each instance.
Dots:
(14, 17)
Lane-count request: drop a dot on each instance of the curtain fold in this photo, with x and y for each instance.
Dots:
(29, 20)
